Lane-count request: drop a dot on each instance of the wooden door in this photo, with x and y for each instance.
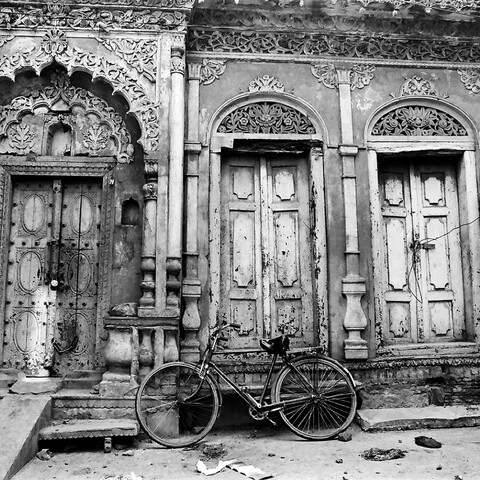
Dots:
(422, 281)
(51, 295)
(266, 274)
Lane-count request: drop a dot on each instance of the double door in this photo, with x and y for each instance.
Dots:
(422, 293)
(51, 285)
(266, 267)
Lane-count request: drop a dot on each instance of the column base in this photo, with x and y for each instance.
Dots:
(355, 350)
(116, 384)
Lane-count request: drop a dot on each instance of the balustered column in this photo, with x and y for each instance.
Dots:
(191, 289)
(175, 191)
(149, 239)
(353, 285)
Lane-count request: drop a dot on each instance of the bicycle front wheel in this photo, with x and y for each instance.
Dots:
(175, 406)
(320, 399)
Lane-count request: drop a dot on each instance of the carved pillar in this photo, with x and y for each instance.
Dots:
(353, 285)
(191, 289)
(147, 267)
(175, 192)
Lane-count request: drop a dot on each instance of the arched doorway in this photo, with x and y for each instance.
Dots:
(267, 220)
(423, 193)
(59, 145)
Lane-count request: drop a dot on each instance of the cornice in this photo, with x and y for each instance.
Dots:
(136, 15)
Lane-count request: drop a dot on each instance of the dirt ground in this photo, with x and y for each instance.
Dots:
(274, 450)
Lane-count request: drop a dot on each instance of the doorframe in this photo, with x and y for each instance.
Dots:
(463, 147)
(317, 142)
(79, 167)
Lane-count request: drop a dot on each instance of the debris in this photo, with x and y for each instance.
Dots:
(44, 454)
(202, 468)
(428, 442)
(458, 477)
(128, 453)
(132, 476)
(339, 460)
(214, 450)
(379, 454)
(345, 436)
(439, 467)
(249, 471)
(107, 445)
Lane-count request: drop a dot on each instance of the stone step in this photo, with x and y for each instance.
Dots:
(21, 418)
(383, 419)
(106, 429)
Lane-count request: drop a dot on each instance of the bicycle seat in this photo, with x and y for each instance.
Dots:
(278, 345)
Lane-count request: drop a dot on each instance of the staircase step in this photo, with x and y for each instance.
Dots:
(383, 419)
(21, 417)
(90, 429)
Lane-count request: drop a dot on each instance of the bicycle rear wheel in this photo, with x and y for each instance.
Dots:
(320, 398)
(175, 406)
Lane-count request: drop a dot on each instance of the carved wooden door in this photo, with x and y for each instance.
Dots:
(266, 276)
(423, 278)
(51, 296)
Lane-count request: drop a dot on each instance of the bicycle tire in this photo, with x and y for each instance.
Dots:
(175, 406)
(331, 405)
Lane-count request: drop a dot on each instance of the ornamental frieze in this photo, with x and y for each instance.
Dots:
(418, 121)
(145, 111)
(96, 128)
(139, 53)
(28, 16)
(266, 118)
(338, 45)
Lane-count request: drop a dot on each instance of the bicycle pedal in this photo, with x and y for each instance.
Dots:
(273, 422)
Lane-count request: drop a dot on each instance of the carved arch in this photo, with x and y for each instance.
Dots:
(243, 114)
(427, 118)
(27, 123)
(55, 48)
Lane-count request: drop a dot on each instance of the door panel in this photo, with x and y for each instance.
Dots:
(423, 278)
(266, 284)
(51, 296)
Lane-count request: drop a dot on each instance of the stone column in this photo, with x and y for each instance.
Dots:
(175, 187)
(353, 285)
(191, 290)
(150, 189)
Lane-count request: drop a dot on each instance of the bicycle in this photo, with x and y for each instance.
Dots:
(178, 403)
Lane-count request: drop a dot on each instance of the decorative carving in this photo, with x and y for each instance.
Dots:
(21, 138)
(266, 84)
(471, 79)
(72, 58)
(266, 117)
(326, 74)
(359, 76)
(83, 17)
(4, 39)
(418, 86)
(139, 53)
(333, 45)
(210, 70)
(54, 42)
(427, 4)
(177, 63)
(96, 137)
(418, 121)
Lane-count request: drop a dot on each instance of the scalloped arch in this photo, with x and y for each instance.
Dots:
(74, 59)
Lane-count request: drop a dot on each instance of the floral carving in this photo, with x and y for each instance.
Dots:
(471, 79)
(333, 45)
(210, 70)
(427, 4)
(96, 138)
(359, 75)
(4, 39)
(418, 121)
(266, 84)
(139, 53)
(54, 42)
(21, 138)
(418, 86)
(266, 117)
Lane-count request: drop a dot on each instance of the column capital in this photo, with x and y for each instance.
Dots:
(348, 150)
